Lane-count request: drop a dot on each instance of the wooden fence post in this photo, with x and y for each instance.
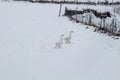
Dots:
(100, 22)
(104, 22)
(90, 18)
(76, 14)
(60, 9)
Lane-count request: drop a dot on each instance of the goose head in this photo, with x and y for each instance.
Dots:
(62, 35)
(71, 31)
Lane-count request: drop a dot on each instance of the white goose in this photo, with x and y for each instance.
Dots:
(60, 42)
(68, 38)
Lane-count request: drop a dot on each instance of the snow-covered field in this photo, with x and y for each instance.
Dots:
(28, 33)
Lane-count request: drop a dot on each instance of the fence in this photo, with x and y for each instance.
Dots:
(73, 2)
(103, 22)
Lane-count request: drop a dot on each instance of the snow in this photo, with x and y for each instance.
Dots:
(28, 33)
(82, 0)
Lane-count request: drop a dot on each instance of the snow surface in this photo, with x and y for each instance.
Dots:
(81, 0)
(28, 33)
